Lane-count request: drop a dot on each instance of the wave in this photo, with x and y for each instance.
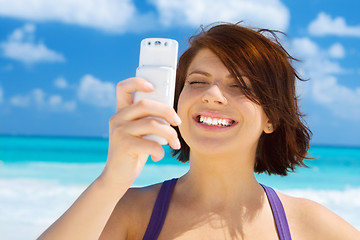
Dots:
(32, 205)
(345, 203)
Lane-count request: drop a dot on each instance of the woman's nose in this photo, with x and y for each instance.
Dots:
(213, 95)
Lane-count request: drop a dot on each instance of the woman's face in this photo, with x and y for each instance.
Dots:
(216, 116)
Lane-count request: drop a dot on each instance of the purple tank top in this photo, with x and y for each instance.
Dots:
(163, 201)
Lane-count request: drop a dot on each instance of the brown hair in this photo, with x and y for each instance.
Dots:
(268, 66)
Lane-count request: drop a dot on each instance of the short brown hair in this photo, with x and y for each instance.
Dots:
(268, 66)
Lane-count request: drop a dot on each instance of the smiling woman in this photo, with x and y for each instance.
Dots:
(260, 69)
(237, 114)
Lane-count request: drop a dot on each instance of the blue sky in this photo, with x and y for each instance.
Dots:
(60, 60)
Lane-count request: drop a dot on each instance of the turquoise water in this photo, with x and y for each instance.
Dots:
(80, 160)
(42, 176)
(52, 149)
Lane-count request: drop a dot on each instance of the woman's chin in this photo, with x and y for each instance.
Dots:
(209, 146)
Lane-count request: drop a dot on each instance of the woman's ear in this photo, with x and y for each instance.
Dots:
(268, 128)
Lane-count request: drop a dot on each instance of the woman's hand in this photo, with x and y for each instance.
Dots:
(128, 151)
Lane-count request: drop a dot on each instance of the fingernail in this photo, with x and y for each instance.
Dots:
(177, 119)
(149, 86)
(157, 157)
(154, 158)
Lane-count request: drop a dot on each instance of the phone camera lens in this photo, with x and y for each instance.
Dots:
(166, 43)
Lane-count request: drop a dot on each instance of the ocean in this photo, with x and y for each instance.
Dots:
(40, 177)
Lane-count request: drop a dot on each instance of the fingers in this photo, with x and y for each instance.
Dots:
(152, 126)
(132, 121)
(135, 145)
(125, 89)
(145, 108)
(148, 147)
(145, 126)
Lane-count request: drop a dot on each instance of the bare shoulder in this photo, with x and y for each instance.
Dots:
(132, 213)
(310, 220)
(140, 197)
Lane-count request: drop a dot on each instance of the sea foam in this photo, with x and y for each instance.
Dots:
(345, 203)
(32, 205)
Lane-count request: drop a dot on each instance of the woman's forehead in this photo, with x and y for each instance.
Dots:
(206, 62)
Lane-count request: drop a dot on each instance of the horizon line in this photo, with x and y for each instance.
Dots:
(106, 137)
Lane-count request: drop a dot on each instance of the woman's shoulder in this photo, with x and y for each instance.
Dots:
(132, 212)
(138, 201)
(141, 194)
(310, 220)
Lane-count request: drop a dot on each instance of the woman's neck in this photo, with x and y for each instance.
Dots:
(218, 180)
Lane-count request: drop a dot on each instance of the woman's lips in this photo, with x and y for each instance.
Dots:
(211, 120)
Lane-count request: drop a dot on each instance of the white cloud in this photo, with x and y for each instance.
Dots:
(38, 98)
(21, 46)
(321, 67)
(341, 100)
(108, 15)
(317, 61)
(96, 92)
(337, 51)
(259, 13)
(121, 16)
(61, 82)
(20, 101)
(56, 102)
(325, 25)
(305, 47)
(34, 97)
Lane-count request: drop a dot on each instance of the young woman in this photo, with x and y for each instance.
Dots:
(236, 99)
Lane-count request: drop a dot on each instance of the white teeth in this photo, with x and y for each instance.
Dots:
(215, 121)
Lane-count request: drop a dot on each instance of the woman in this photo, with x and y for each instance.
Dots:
(235, 96)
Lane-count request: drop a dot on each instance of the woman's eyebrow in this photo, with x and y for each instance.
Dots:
(206, 74)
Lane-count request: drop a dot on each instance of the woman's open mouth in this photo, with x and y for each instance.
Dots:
(213, 121)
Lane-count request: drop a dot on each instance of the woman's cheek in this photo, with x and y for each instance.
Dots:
(180, 106)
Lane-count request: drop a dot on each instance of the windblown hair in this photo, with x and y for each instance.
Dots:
(258, 55)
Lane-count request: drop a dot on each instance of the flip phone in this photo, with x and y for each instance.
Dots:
(157, 65)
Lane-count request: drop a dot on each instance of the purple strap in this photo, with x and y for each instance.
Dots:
(278, 213)
(163, 201)
(160, 210)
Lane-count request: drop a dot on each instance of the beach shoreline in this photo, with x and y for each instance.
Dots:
(41, 178)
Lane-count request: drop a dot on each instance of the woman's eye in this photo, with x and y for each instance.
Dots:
(196, 82)
(239, 86)
(236, 86)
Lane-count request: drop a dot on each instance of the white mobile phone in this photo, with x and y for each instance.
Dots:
(157, 65)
